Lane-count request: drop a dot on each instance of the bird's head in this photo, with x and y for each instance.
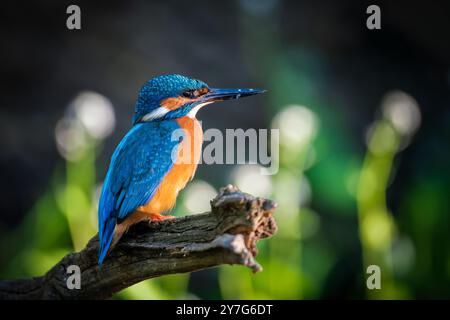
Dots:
(174, 96)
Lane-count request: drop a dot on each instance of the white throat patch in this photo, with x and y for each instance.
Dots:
(195, 109)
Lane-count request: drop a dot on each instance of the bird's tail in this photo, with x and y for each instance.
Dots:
(106, 237)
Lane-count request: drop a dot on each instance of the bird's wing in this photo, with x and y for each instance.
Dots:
(139, 163)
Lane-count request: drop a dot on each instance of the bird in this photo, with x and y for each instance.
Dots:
(145, 175)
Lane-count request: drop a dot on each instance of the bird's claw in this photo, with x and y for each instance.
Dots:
(159, 217)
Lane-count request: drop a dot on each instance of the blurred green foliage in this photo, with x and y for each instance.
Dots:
(302, 260)
(334, 217)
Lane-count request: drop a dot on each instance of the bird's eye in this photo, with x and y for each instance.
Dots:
(189, 94)
(192, 94)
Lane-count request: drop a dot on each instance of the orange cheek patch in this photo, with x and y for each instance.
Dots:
(203, 91)
(174, 103)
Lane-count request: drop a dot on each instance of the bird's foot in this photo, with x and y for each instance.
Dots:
(159, 217)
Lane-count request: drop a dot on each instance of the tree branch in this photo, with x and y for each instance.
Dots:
(226, 235)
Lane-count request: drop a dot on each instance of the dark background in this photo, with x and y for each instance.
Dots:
(349, 68)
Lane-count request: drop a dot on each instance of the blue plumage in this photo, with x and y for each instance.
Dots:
(138, 165)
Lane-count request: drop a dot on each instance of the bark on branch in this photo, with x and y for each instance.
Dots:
(226, 235)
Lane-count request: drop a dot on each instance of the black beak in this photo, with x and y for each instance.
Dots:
(216, 94)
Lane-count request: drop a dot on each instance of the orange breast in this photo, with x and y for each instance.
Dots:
(182, 171)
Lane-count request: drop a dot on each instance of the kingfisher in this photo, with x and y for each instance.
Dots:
(145, 172)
